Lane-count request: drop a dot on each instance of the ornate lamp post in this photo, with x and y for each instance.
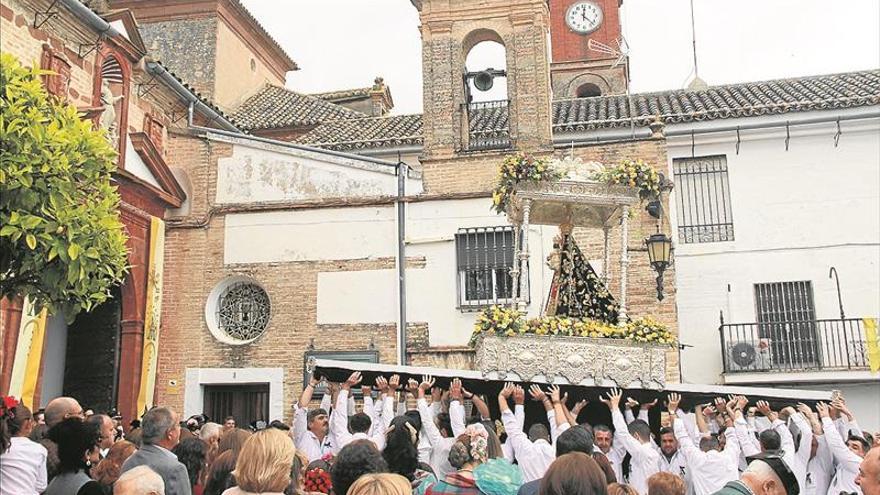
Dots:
(660, 253)
(659, 245)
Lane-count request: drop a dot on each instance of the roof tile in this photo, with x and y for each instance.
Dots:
(275, 107)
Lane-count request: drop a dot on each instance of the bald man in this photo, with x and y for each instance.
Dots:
(62, 408)
(869, 473)
(139, 481)
(763, 479)
(57, 411)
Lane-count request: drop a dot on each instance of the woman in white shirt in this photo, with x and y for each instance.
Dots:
(22, 462)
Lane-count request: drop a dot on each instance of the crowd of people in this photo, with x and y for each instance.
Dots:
(416, 438)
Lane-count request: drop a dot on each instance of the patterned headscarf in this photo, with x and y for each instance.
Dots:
(479, 438)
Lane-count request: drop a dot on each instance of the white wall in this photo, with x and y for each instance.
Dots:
(796, 213)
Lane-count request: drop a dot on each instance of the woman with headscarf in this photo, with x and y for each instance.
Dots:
(477, 473)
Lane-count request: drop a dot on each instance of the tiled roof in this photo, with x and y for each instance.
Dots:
(371, 132)
(344, 94)
(749, 99)
(207, 101)
(273, 107)
(844, 90)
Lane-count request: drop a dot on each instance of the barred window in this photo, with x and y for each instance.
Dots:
(787, 318)
(703, 199)
(485, 257)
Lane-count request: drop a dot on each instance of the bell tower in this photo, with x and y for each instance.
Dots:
(456, 122)
(577, 71)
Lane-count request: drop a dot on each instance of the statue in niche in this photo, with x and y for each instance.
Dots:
(109, 121)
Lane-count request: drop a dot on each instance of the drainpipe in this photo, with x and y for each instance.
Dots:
(402, 169)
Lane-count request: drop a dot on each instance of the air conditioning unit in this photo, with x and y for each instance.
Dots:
(749, 356)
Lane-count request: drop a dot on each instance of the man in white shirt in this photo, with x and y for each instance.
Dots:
(636, 440)
(848, 455)
(710, 468)
(604, 440)
(361, 426)
(672, 459)
(311, 428)
(438, 435)
(820, 468)
(533, 457)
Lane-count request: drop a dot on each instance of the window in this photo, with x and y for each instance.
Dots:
(588, 90)
(485, 257)
(702, 199)
(57, 82)
(787, 317)
(238, 311)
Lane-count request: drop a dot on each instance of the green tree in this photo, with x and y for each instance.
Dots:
(61, 239)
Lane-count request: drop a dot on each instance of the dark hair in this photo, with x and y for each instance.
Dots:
(709, 443)
(219, 477)
(227, 418)
(314, 413)
(538, 431)
(574, 473)
(575, 439)
(604, 428)
(354, 460)
(666, 431)
(605, 466)
(866, 446)
(400, 451)
(12, 421)
(108, 470)
(279, 425)
(663, 483)
(191, 453)
(415, 419)
(444, 423)
(641, 428)
(359, 423)
(74, 438)
(770, 440)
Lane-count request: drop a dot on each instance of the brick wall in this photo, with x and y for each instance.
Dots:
(187, 47)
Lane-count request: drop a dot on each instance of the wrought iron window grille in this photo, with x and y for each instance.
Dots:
(702, 199)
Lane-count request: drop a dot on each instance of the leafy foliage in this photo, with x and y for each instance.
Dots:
(632, 173)
(515, 169)
(507, 322)
(61, 239)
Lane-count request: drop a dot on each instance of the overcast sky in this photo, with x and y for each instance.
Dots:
(347, 43)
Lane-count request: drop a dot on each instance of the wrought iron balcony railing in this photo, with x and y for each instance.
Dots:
(488, 125)
(793, 346)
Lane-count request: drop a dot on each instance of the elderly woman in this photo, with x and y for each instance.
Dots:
(264, 464)
(477, 473)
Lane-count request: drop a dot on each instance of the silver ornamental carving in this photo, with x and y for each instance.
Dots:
(579, 360)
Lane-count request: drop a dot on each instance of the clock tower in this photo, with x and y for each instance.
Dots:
(575, 70)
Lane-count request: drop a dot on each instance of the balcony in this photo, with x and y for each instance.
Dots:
(758, 352)
(488, 125)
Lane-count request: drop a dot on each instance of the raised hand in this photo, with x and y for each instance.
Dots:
(394, 383)
(382, 384)
(742, 401)
(313, 380)
(578, 407)
(519, 395)
(672, 402)
(555, 395)
(649, 405)
(613, 400)
(823, 410)
(352, 381)
(507, 391)
(709, 411)
(839, 403)
(537, 394)
(764, 408)
(427, 384)
(455, 390)
(366, 390)
(631, 403)
(412, 386)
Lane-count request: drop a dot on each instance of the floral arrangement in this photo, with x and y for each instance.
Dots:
(317, 480)
(632, 173)
(508, 322)
(515, 169)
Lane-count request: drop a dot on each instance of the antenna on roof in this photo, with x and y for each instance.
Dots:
(622, 54)
(696, 83)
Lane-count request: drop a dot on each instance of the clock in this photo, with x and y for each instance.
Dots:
(584, 17)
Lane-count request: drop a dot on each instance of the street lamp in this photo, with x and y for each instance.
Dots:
(660, 253)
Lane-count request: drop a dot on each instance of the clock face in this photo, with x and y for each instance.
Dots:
(584, 17)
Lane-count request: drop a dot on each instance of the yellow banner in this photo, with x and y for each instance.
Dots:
(873, 350)
(152, 314)
(28, 354)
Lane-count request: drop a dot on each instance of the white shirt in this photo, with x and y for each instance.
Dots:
(23, 468)
(339, 424)
(440, 445)
(533, 457)
(645, 458)
(820, 470)
(847, 461)
(677, 465)
(709, 471)
(801, 456)
(305, 440)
